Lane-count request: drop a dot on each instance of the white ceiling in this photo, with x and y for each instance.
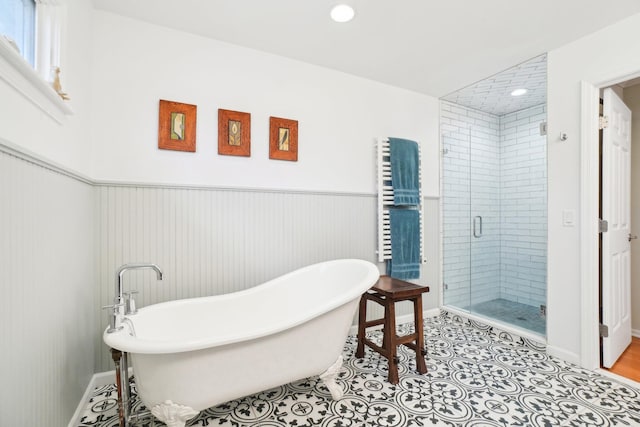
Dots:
(432, 47)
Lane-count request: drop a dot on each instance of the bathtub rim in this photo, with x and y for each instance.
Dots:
(124, 340)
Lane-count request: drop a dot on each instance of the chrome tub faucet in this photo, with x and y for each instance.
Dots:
(118, 299)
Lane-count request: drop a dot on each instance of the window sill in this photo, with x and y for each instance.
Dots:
(17, 72)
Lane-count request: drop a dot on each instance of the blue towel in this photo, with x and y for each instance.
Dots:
(403, 155)
(405, 244)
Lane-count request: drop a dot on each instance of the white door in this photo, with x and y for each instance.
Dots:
(616, 182)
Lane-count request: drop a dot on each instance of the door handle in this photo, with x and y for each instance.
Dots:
(632, 237)
(477, 231)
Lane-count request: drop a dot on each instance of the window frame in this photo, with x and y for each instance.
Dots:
(34, 84)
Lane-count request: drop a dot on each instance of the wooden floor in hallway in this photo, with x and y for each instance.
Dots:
(628, 365)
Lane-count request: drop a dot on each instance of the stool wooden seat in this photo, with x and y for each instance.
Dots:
(386, 292)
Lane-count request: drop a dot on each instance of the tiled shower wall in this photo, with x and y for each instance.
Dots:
(493, 167)
(523, 202)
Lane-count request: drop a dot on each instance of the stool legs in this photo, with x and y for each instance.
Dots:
(389, 341)
(419, 326)
(362, 320)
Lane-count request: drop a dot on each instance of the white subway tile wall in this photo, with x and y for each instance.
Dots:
(493, 167)
(523, 203)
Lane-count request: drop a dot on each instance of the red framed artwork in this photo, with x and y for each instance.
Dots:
(234, 133)
(177, 126)
(283, 139)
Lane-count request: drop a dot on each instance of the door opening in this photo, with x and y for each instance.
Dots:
(615, 254)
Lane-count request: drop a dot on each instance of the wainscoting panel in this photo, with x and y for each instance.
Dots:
(63, 237)
(47, 283)
(215, 241)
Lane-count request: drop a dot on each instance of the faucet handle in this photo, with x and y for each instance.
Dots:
(130, 307)
(113, 317)
(104, 307)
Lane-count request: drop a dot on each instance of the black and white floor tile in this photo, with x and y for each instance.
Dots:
(475, 378)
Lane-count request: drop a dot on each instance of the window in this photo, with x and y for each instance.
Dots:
(17, 22)
(34, 28)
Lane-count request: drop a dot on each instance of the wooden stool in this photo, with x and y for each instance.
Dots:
(386, 292)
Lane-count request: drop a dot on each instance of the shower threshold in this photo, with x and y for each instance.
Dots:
(520, 319)
(514, 313)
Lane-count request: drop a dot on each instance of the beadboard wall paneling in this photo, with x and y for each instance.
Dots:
(63, 237)
(47, 284)
(211, 241)
(216, 241)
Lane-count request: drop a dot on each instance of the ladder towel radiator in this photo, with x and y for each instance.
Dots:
(385, 201)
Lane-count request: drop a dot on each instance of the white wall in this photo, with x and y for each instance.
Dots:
(608, 53)
(24, 124)
(632, 99)
(135, 64)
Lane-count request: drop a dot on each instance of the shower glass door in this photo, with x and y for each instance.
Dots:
(456, 210)
(494, 225)
(484, 210)
(471, 215)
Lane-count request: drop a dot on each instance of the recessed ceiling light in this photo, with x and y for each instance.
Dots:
(518, 92)
(342, 13)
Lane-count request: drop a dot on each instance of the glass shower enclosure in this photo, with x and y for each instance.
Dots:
(494, 213)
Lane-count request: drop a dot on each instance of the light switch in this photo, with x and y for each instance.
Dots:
(568, 218)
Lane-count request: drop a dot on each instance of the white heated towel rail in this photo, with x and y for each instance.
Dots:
(385, 200)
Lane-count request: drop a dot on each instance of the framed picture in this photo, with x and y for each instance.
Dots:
(234, 133)
(283, 139)
(177, 126)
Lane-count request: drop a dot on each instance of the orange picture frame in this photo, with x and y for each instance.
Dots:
(177, 126)
(283, 139)
(234, 133)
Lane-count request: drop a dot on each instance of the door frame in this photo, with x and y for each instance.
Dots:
(589, 216)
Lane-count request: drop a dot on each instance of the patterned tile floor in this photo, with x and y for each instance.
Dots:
(477, 377)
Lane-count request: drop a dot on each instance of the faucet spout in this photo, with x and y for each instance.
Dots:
(137, 266)
(118, 303)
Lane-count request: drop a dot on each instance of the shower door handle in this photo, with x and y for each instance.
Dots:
(477, 229)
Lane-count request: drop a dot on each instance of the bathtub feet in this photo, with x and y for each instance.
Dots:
(329, 379)
(173, 414)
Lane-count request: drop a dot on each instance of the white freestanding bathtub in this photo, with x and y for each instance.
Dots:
(189, 355)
